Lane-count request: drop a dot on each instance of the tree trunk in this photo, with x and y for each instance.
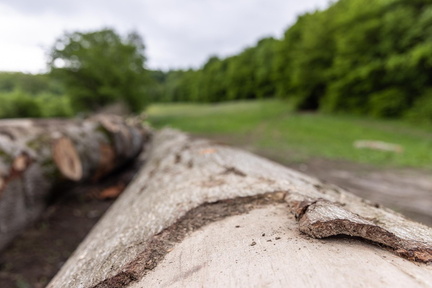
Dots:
(199, 214)
(35, 155)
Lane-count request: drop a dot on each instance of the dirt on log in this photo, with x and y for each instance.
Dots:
(177, 225)
(36, 155)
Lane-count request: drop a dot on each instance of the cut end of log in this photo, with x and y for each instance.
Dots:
(107, 161)
(21, 162)
(67, 159)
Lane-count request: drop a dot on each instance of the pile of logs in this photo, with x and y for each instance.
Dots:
(36, 155)
(200, 214)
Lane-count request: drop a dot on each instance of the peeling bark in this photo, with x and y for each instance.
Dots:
(182, 175)
(321, 218)
(35, 155)
(162, 243)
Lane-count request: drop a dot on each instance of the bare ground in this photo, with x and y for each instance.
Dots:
(37, 254)
(34, 257)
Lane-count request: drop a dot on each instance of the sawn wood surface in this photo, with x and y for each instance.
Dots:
(201, 214)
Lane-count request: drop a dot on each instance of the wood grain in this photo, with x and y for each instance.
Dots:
(183, 175)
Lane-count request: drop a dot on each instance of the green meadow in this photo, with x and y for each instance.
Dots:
(273, 129)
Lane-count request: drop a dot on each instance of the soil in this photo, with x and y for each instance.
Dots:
(38, 253)
(36, 256)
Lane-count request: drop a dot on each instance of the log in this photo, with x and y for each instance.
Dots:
(200, 214)
(37, 155)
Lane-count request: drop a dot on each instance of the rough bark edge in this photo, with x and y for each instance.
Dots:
(322, 218)
(301, 192)
(352, 225)
(162, 243)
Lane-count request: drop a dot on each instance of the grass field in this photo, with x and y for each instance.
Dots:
(271, 128)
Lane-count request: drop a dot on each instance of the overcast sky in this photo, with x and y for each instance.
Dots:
(177, 34)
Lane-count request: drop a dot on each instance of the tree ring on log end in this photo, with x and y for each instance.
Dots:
(67, 159)
(21, 162)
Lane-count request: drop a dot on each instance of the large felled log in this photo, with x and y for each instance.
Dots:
(37, 154)
(200, 214)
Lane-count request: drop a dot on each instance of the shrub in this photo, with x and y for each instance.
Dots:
(54, 105)
(388, 103)
(421, 111)
(17, 104)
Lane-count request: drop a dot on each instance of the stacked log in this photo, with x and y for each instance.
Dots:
(35, 155)
(200, 214)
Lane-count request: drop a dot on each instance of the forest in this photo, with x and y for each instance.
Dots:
(359, 57)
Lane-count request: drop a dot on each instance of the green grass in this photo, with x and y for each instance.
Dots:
(272, 128)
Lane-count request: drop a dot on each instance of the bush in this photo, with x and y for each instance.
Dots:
(421, 111)
(388, 103)
(17, 104)
(54, 105)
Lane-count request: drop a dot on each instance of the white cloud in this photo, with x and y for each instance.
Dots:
(177, 34)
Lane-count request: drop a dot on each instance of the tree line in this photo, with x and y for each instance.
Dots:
(366, 57)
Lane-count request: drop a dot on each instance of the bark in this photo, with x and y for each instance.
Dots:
(204, 214)
(36, 155)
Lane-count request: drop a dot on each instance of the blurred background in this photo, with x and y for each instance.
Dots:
(341, 90)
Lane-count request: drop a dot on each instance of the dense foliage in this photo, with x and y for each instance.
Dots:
(366, 57)
(27, 95)
(99, 68)
(88, 72)
(369, 57)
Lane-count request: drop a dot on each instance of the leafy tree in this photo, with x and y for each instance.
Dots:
(312, 55)
(99, 68)
(156, 87)
(264, 58)
(212, 81)
(176, 86)
(28, 83)
(240, 75)
(284, 58)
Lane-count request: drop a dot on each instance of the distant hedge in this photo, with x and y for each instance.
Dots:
(18, 104)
